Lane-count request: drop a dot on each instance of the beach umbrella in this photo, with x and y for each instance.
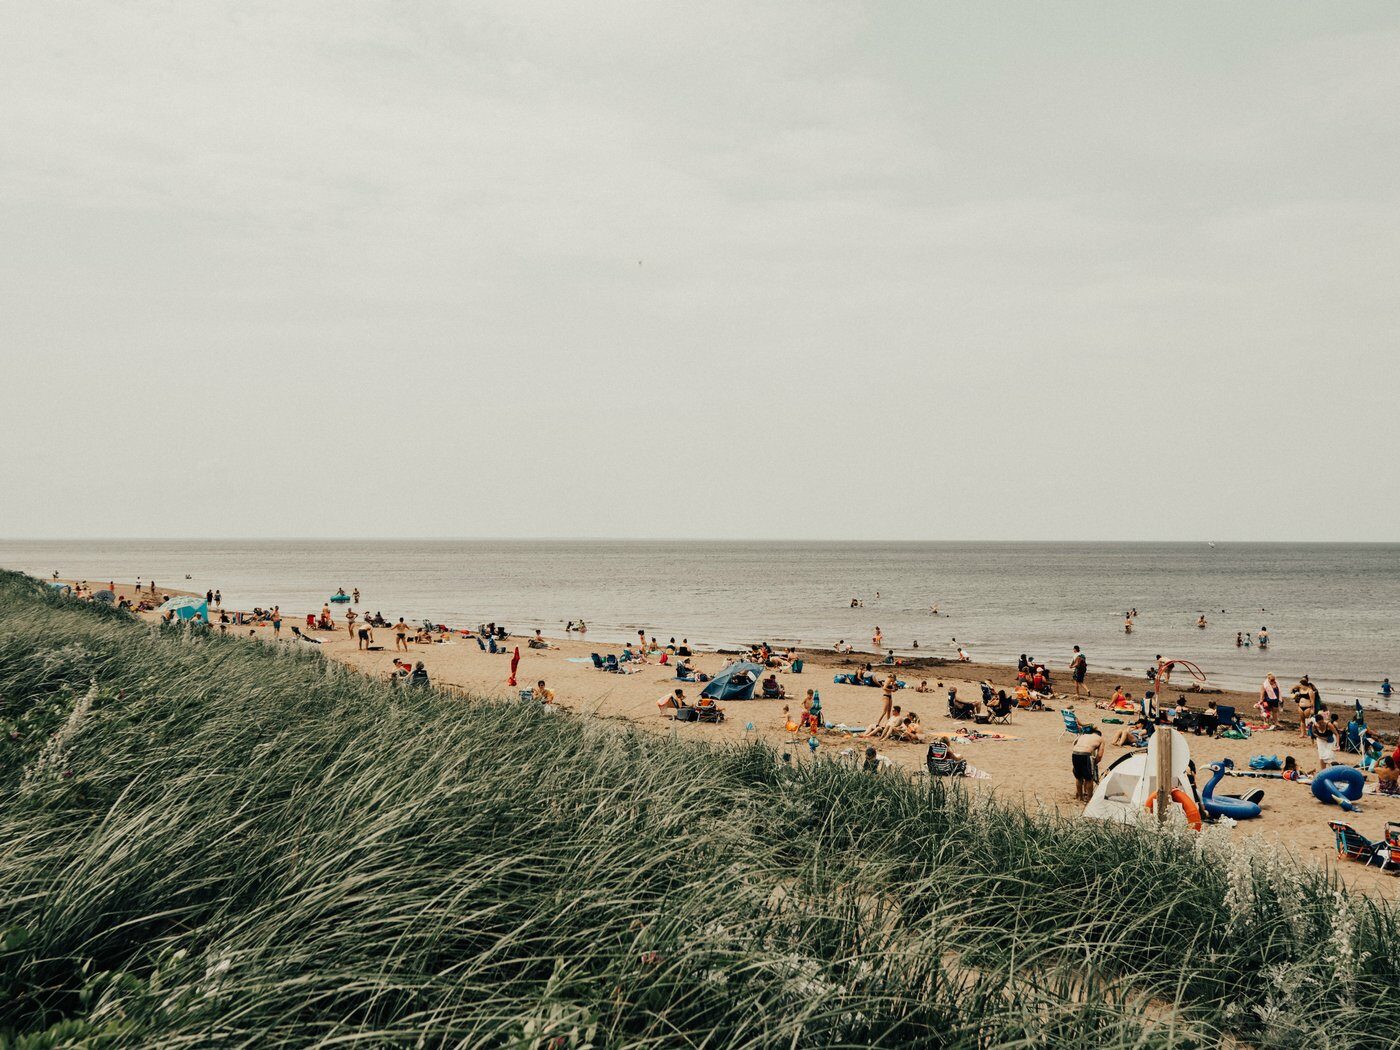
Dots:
(514, 663)
(185, 608)
(730, 684)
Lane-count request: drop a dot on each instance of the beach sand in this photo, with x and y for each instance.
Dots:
(1032, 768)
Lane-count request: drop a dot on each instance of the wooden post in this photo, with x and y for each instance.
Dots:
(1164, 771)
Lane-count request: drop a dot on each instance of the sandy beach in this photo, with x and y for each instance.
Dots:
(1031, 765)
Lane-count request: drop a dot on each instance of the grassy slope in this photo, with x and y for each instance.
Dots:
(232, 844)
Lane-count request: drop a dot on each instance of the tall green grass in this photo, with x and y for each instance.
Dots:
(210, 841)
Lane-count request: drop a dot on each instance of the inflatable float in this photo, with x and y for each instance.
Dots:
(1339, 785)
(1243, 808)
(339, 598)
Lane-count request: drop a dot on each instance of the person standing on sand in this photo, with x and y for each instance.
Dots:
(1078, 667)
(276, 621)
(400, 636)
(888, 701)
(1269, 698)
(366, 637)
(1085, 759)
(350, 617)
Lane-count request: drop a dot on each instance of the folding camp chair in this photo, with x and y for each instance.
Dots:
(941, 763)
(1001, 708)
(1072, 726)
(1227, 720)
(480, 643)
(597, 661)
(1353, 845)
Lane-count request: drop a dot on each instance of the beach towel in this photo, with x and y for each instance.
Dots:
(971, 736)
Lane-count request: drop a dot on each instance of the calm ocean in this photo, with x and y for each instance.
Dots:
(1331, 609)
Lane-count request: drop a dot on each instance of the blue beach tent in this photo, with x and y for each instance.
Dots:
(185, 608)
(724, 687)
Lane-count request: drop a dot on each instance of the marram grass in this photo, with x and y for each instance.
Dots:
(211, 841)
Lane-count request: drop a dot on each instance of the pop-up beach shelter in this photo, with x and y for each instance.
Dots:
(730, 684)
(186, 608)
(1125, 786)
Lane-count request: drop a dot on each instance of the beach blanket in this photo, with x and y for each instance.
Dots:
(843, 728)
(971, 736)
(579, 659)
(973, 773)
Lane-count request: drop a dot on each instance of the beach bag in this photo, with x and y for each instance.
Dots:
(1265, 762)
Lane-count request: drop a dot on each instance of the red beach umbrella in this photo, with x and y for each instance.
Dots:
(514, 663)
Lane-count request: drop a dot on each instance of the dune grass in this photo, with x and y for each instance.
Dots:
(216, 841)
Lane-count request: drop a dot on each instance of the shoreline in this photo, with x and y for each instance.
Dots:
(1026, 762)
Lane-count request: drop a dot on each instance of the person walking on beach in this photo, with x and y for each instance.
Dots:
(400, 636)
(1079, 667)
(218, 598)
(276, 622)
(350, 617)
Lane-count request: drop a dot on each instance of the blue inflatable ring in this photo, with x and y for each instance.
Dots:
(1338, 780)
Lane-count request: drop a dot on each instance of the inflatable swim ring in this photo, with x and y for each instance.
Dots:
(1339, 784)
(339, 597)
(1187, 804)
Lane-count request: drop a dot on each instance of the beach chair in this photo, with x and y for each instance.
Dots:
(708, 713)
(480, 644)
(1352, 845)
(941, 763)
(1001, 708)
(1072, 726)
(610, 664)
(1352, 739)
(1227, 720)
(597, 661)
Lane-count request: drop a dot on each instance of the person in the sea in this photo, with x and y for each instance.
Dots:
(1239, 639)
(1386, 689)
(1202, 621)
(1084, 760)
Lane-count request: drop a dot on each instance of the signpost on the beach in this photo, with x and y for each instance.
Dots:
(1164, 773)
(1164, 739)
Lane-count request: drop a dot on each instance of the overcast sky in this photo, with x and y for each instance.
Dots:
(896, 271)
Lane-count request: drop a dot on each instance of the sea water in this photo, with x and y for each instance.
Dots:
(1331, 609)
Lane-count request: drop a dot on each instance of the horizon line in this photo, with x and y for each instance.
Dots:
(665, 539)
